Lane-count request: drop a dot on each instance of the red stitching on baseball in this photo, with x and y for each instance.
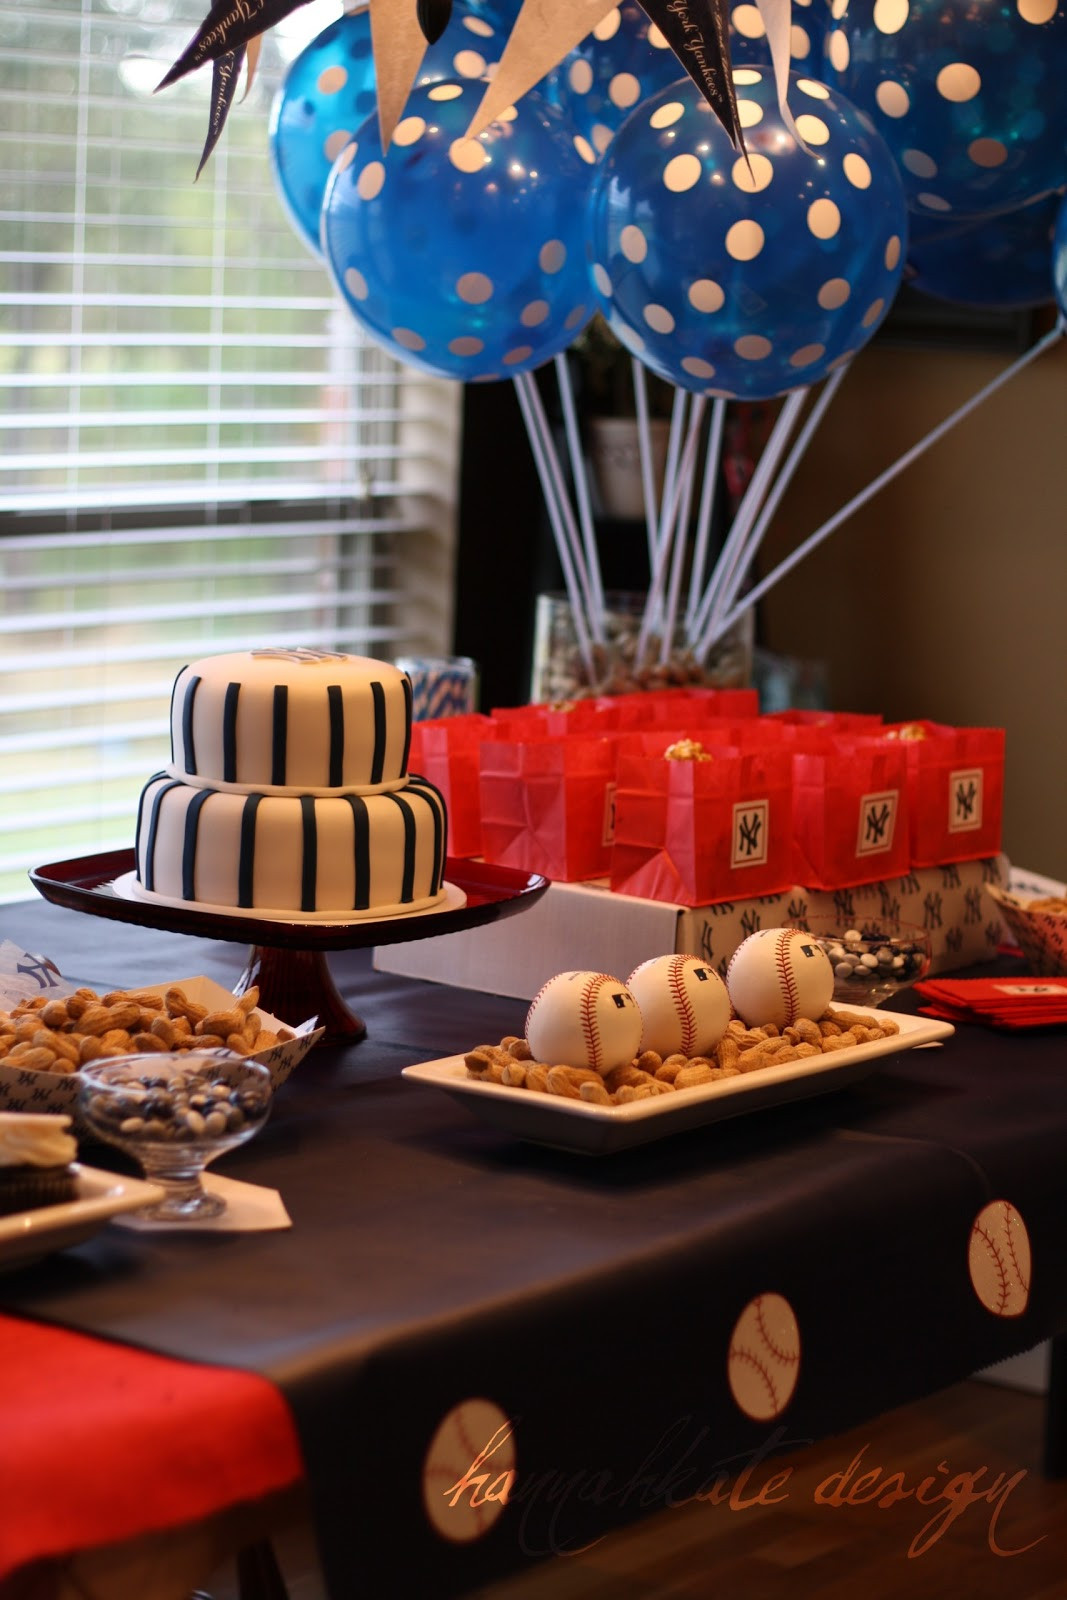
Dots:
(533, 1003)
(786, 977)
(682, 1003)
(1024, 1277)
(459, 1423)
(998, 1309)
(783, 1355)
(739, 1354)
(588, 1020)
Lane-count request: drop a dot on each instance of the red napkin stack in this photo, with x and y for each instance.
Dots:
(999, 1002)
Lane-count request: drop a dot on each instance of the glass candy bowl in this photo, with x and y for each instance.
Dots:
(873, 958)
(173, 1114)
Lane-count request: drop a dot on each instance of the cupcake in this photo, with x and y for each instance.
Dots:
(36, 1152)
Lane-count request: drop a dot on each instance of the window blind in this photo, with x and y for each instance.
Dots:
(199, 451)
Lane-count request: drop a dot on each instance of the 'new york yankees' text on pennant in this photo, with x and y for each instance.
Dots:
(228, 25)
(225, 76)
(698, 33)
(226, 72)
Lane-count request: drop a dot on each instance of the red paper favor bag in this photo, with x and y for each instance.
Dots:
(541, 721)
(663, 708)
(695, 832)
(956, 790)
(547, 805)
(850, 813)
(854, 722)
(445, 750)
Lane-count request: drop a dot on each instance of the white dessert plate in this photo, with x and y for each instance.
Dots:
(451, 898)
(601, 1130)
(28, 1236)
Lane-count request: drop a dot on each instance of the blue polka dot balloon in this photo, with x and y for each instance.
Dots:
(809, 22)
(1001, 263)
(1059, 259)
(462, 256)
(968, 94)
(329, 90)
(625, 60)
(746, 278)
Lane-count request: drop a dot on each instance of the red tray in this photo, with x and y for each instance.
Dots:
(297, 984)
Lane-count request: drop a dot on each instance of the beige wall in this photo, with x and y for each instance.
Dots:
(946, 596)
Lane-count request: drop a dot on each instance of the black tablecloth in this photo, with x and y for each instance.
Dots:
(433, 1260)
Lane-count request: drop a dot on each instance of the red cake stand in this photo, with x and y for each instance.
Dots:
(287, 960)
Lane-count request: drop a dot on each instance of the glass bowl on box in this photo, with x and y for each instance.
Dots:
(873, 957)
(559, 673)
(174, 1113)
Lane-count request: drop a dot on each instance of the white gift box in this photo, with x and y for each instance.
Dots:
(583, 926)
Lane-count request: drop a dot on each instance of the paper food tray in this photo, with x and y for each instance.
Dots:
(24, 1090)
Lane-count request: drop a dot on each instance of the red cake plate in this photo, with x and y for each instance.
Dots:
(287, 960)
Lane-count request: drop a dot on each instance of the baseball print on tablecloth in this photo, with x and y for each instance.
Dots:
(779, 975)
(468, 1471)
(998, 1257)
(683, 1003)
(763, 1363)
(584, 1019)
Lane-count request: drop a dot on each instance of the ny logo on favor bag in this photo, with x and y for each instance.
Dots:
(878, 815)
(751, 827)
(965, 800)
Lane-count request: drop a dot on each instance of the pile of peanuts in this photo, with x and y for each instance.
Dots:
(741, 1050)
(61, 1035)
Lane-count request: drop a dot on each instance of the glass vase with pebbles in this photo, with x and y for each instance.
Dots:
(873, 958)
(173, 1114)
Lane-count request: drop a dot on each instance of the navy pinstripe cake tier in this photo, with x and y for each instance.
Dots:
(288, 793)
(304, 855)
(285, 721)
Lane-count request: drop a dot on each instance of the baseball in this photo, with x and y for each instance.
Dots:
(998, 1257)
(584, 1019)
(468, 1471)
(763, 1363)
(779, 975)
(683, 1003)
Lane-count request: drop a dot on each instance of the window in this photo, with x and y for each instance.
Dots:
(198, 449)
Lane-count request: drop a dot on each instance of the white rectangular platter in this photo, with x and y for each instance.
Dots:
(600, 1130)
(27, 1236)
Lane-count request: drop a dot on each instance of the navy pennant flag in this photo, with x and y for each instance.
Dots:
(433, 18)
(698, 33)
(225, 75)
(228, 25)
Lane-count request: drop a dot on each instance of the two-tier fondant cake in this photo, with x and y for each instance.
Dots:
(288, 792)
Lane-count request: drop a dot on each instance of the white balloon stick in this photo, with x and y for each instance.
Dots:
(648, 471)
(669, 531)
(580, 479)
(708, 491)
(891, 472)
(751, 501)
(566, 544)
(781, 483)
(686, 480)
